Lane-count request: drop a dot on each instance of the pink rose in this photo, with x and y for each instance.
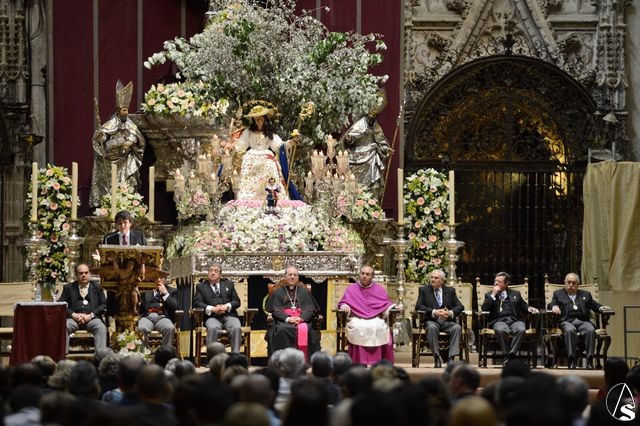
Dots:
(65, 226)
(376, 214)
(53, 206)
(371, 202)
(160, 88)
(421, 263)
(180, 93)
(135, 202)
(56, 185)
(131, 346)
(437, 261)
(54, 238)
(54, 274)
(170, 104)
(437, 211)
(420, 201)
(418, 224)
(412, 235)
(151, 102)
(67, 203)
(360, 203)
(433, 189)
(433, 238)
(49, 172)
(423, 245)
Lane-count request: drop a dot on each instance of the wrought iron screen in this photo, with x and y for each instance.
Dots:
(516, 130)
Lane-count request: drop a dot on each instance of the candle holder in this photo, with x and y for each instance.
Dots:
(34, 245)
(400, 246)
(152, 240)
(73, 243)
(451, 246)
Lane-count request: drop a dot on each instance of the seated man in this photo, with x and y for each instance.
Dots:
(368, 306)
(506, 309)
(85, 305)
(442, 306)
(293, 307)
(157, 312)
(125, 236)
(220, 302)
(573, 306)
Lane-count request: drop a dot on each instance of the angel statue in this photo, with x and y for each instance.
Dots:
(118, 141)
(368, 150)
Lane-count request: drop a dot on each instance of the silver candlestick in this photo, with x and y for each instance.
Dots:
(451, 246)
(152, 240)
(400, 246)
(73, 243)
(34, 245)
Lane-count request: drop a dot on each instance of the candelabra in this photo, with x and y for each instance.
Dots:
(451, 246)
(73, 243)
(34, 245)
(400, 246)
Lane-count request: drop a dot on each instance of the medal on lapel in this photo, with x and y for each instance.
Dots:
(85, 302)
(575, 307)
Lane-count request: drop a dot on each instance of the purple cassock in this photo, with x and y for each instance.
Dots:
(367, 306)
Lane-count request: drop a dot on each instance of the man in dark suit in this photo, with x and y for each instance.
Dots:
(220, 301)
(85, 305)
(506, 308)
(125, 236)
(157, 312)
(442, 307)
(573, 306)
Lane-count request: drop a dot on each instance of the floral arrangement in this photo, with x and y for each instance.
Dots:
(185, 99)
(250, 229)
(54, 211)
(248, 51)
(129, 343)
(426, 201)
(364, 206)
(193, 206)
(126, 199)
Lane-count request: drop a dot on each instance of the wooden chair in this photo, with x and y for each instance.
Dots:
(552, 336)
(10, 293)
(155, 337)
(464, 291)
(246, 315)
(487, 339)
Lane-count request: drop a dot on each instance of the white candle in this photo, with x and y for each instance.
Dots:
(34, 191)
(114, 186)
(400, 197)
(452, 200)
(74, 190)
(152, 193)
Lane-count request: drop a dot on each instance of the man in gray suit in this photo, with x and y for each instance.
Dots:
(220, 301)
(85, 305)
(157, 312)
(442, 306)
(573, 306)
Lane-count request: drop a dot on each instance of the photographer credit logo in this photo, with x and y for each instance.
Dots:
(620, 403)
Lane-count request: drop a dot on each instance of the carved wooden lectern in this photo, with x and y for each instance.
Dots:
(127, 270)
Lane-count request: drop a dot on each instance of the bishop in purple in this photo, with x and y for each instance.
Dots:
(367, 305)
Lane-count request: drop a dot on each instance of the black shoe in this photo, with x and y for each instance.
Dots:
(438, 362)
(571, 363)
(589, 363)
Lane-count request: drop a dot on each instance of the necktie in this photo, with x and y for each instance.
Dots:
(216, 289)
(438, 297)
(124, 240)
(503, 296)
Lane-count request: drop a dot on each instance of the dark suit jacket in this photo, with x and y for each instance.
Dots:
(96, 298)
(170, 305)
(205, 296)
(135, 237)
(427, 301)
(518, 304)
(584, 301)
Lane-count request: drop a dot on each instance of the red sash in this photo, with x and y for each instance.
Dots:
(303, 331)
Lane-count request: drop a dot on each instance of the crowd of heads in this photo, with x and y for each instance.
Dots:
(326, 390)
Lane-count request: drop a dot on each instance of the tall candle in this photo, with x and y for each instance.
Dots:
(114, 186)
(74, 190)
(400, 197)
(452, 199)
(152, 192)
(34, 191)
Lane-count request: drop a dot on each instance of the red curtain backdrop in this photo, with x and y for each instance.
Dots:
(72, 72)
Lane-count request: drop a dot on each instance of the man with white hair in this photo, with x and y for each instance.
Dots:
(573, 306)
(442, 306)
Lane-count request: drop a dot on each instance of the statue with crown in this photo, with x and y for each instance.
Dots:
(117, 142)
